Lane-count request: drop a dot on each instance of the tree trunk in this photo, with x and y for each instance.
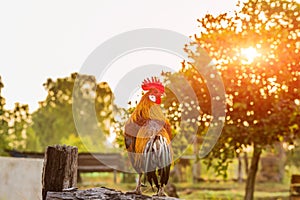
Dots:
(246, 162)
(252, 173)
(196, 167)
(240, 175)
(176, 173)
(282, 158)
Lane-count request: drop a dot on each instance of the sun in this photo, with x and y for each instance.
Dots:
(249, 54)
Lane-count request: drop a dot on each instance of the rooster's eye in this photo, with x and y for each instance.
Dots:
(152, 98)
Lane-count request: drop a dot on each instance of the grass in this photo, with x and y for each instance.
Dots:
(206, 190)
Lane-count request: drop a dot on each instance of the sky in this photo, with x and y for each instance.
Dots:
(52, 39)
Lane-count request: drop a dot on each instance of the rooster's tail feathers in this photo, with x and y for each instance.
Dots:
(158, 155)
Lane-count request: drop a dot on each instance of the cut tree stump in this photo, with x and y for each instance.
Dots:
(60, 169)
(101, 193)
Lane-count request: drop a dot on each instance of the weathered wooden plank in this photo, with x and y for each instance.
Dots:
(60, 169)
(101, 193)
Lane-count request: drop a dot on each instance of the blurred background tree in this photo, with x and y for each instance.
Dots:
(18, 123)
(256, 49)
(53, 122)
(4, 116)
(13, 125)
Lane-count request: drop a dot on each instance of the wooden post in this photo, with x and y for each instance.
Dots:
(115, 176)
(60, 169)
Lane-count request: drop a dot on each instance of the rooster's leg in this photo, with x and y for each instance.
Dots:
(138, 186)
(161, 192)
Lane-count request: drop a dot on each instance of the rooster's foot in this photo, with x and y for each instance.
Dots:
(160, 192)
(137, 192)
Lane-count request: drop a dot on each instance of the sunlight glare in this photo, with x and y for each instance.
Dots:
(249, 54)
(112, 136)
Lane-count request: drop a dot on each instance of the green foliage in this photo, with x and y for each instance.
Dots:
(13, 125)
(121, 115)
(53, 122)
(84, 144)
(4, 118)
(19, 120)
(33, 141)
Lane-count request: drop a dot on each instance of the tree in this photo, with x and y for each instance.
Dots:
(4, 116)
(19, 121)
(13, 125)
(53, 122)
(256, 51)
(33, 143)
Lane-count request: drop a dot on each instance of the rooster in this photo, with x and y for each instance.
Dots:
(148, 138)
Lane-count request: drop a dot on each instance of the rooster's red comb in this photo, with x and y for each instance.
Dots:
(152, 83)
